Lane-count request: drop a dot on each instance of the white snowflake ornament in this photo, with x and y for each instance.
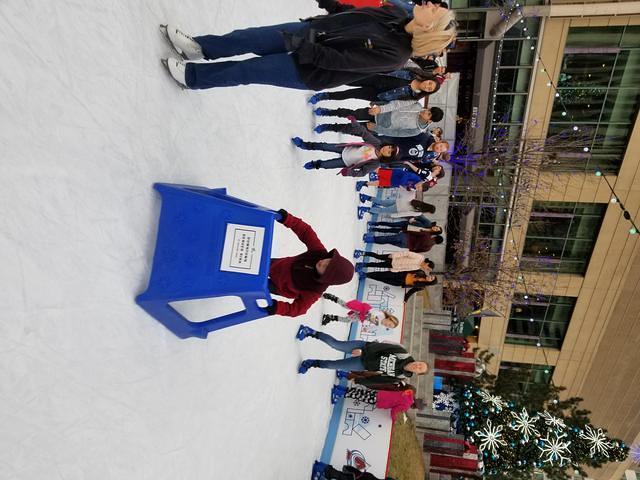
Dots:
(552, 421)
(525, 424)
(490, 438)
(597, 440)
(494, 400)
(554, 450)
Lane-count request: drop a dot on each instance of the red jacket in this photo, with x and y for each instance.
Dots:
(397, 401)
(340, 271)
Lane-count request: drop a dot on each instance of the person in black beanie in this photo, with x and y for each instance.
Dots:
(306, 276)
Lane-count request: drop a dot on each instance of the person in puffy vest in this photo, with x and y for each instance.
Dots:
(387, 358)
(306, 276)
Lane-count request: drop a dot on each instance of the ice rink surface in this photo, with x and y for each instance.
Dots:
(92, 387)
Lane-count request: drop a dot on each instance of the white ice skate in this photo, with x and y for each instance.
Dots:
(182, 44)
(176, 69)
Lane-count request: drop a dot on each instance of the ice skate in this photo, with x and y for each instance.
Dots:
(337, 392)
(306, 365)
(304, 332)
(181, 43)
(176, 70)
(327, 319)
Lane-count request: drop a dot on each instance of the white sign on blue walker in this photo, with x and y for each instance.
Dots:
(242, 249)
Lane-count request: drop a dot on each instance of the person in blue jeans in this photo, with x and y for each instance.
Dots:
(326, 51)
(390, 359)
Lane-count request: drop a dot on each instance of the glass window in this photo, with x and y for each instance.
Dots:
(514, 80)
(470, 24)
(599, 88)
(528, 374)
(561, 236)
(594, 36)
(509, 108)
(542, 320)
(517, 53)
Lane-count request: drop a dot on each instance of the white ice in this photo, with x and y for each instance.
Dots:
(91, 387)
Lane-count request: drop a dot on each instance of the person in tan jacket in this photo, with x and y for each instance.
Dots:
(402, 261)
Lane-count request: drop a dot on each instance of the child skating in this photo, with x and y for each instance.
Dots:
(359, 312)
(357, 156)
(397, 401)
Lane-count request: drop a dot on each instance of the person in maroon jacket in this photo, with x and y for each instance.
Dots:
(306, 276)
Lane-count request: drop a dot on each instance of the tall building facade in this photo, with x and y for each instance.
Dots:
(572, 312)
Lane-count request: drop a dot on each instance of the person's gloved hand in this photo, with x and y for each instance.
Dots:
(283, 215)
(291, 41)
(271, 309)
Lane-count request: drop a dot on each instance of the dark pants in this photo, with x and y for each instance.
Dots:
(384, 263)
(327, 147)
(274, 65)
(362, 93)
(361, 114)
(390, 278)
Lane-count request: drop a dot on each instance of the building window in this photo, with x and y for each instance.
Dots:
(561, 236)
(539, 321)
(599, 90)
(526, 374)
(470, 25)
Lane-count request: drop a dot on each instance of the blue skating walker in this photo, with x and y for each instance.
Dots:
(209, 244)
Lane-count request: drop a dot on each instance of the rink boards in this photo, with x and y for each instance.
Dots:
(359, 434)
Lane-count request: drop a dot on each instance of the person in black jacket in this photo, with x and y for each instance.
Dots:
(390, 359)
(347, 45)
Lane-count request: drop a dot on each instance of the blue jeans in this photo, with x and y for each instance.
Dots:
(398, 239)
(274, 65)
(384, 206)
(350, 364)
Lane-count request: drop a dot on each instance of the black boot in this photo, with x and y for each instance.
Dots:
(330, 296)
(326, 318)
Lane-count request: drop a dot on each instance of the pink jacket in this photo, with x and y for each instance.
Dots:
(405, 261)
(397, 401)
(359, 307)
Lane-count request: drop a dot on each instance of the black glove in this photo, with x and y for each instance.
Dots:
(330, 296)
(283, 215)
(291, 42)
(271, 309)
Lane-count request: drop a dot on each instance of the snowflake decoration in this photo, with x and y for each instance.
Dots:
(554, 450)
(492, 399)
(490, 438)
(597, 440)
(524, 423)
(444, 401)
(552, 421)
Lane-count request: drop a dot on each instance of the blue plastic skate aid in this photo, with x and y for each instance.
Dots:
(209, 244)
